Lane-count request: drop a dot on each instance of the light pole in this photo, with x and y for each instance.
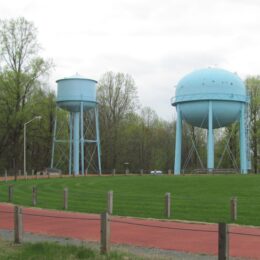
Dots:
(24, 142)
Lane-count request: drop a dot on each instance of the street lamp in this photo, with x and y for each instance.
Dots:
(24, 142)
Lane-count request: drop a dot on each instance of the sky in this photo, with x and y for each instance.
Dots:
(155, 41)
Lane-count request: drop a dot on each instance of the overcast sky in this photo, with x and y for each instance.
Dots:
(156, 41)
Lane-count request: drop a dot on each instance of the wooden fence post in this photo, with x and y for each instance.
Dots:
(110, 202)
(167, 204)
(10, 193)
(34, 196)
(105, 233)
(233, 209)
(65, 198)
(5, 175)
(18, 224)
(223, 241)
(114, 172)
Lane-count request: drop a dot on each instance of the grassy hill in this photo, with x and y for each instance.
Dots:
(201, 198)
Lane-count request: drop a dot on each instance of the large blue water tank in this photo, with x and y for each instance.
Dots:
(225, 89)
(73, 91)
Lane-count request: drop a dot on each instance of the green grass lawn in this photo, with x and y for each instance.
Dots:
(201, 198)
(54, 251)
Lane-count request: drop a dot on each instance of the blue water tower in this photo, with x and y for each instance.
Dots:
(77, 96)
(211, 98)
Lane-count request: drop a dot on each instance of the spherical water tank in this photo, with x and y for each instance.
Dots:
(73, 91)
(225, 89)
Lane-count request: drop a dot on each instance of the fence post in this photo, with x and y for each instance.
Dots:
(65, 198)
(141, 171)
(5, 175)
(105, 233)
(169, 172)
(233, 208)
(223, 241)
(18, 224)
(114, 172)
(10, 193)
(34, 195)
(167, 204)
(110, 202)
(127, 171)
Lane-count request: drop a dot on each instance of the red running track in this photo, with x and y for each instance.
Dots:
(169, 235)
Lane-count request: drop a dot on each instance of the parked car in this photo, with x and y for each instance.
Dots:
(156, 172)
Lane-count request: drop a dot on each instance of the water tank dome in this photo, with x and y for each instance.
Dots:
(225, 89)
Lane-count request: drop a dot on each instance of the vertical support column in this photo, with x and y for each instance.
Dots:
(105, 233)
(223, 242)
(65, 198)
(210, 164)
(82, 138)
(76, 144)
(18, 225)
(70, 142)
(167, 207)
(34, 196)
(110, 202)
(243, 157)
(54, 140)
(233, 209)
(178, 142)
(98, 140)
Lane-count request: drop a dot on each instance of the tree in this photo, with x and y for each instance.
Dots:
(253, 88)
(22, 69)
(117, 97)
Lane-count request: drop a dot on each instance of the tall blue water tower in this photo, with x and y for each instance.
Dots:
(77, 96)
(211, 98)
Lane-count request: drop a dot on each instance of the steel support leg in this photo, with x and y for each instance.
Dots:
(178, 142)
(210, 163)
(98, 140)
(76, 144)
(243, 156)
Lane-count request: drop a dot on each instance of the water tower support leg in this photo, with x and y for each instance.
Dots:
(54, 140)
(210, 139)
(70, 143)
(76, 144)
(243, 159)
(98, 140)
(178, 142)
(82, 138)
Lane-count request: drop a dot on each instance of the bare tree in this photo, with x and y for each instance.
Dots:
(117, 96)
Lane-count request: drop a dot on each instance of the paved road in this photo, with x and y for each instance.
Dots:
(168, 235)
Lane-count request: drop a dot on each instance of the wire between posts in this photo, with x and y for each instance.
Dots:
(243, 234)
(60, 217)
(171, 228)
(8, 212)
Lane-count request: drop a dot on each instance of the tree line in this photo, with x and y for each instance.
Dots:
(131, 135)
